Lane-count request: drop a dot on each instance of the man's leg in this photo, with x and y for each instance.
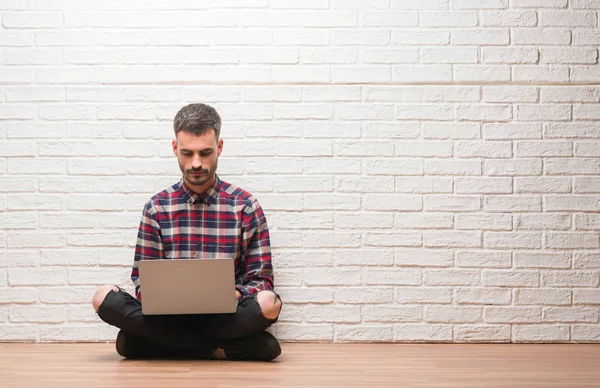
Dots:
(241, 335)
(118, 308)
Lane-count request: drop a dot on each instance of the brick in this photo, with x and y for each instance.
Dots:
(422, 73)
(584, 74)
(300, 4)
(328, 93)
(452, 314)
(422, 333)
(326, 239)
(393, 93)
(332, 314)
(540, 3)
(363, 221)
(452, 167)
(363, 257)
(587, 149)
(304, 332)
(487, 149)
(18, 295)
(541, 36)
(420, 37)
(36, 313)
(540, 333)
(482, 73)
(346, 130)
(345, 37)
(424, 221)
(568, 55)
(588, 297)
(572, 203)
(20, 56)
(505, 240)
(543, 148)
(338, 55)
(449, 55)
(390, 56)
(295, 111)
(560, 18)
(363, 148)
(451, 130)
(451, 239)
(451, 94)
(532, 73)
(570, 314)
(394, 167)
(37, 277)
(571, 130)
(586, 185)
(304, 184)
(483, 296)
(570, 279)
(18, 112)
(424, 185)
(25, 166)
(587, 221)
(388, 276)
(329, 166)
(398, 239)
(331, 277)
(365, 112)
(448, 19)
(481, 185)
(36, 202)
(572, 166)
(19, 332)
(547, 112)
(513, 167)
(393, 314)
(365, 295)
(509, 18)
(572, 240)
(390, 19)
(585, 37)
(453, 277)
(585, 333)
(487, 333)
(363, 333)
(484, 221)
(480, 37)
(392, 202)
(423, 258)
(585, 112)
(510, 278)
(542, 260)
(361, 74)
(11, 184)
(331, 202)
(31, 19)
(483, 259)
(18, 220)
(512, 315)
(542, 296)
(423, 295)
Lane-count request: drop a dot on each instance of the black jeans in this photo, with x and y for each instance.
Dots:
(184, 332)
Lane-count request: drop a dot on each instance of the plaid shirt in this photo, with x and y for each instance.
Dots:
(225, 221)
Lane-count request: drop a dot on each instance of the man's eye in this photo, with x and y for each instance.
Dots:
(187, 153)
(206, 153)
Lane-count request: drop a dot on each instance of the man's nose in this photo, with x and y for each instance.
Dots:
(196, 162)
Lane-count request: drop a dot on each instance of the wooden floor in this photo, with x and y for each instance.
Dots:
(310, 365)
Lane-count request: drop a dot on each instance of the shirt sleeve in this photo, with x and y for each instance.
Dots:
(256, 268)
(149, 245)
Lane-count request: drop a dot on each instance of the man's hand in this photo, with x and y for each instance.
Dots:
(238, 295)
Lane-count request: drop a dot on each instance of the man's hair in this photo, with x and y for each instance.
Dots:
(197, 119)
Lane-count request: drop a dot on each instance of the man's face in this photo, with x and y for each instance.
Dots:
(198, 158)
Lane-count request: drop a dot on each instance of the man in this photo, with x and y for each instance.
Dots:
(200, 216)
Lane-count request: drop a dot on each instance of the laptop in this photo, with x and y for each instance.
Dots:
(187, 286)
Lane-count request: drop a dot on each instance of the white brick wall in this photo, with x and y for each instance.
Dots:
(429, 168)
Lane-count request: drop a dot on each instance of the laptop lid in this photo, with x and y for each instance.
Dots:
(188, 286)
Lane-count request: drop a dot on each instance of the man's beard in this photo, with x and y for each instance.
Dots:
(199, 180)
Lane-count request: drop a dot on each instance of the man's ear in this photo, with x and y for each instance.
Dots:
(220, 146)
(174, 145)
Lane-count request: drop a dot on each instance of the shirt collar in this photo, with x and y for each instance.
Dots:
(208, 197)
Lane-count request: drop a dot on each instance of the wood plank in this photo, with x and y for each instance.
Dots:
(311, 365)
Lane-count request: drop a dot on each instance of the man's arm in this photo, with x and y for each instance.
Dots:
(257, 270)
(149, 244)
